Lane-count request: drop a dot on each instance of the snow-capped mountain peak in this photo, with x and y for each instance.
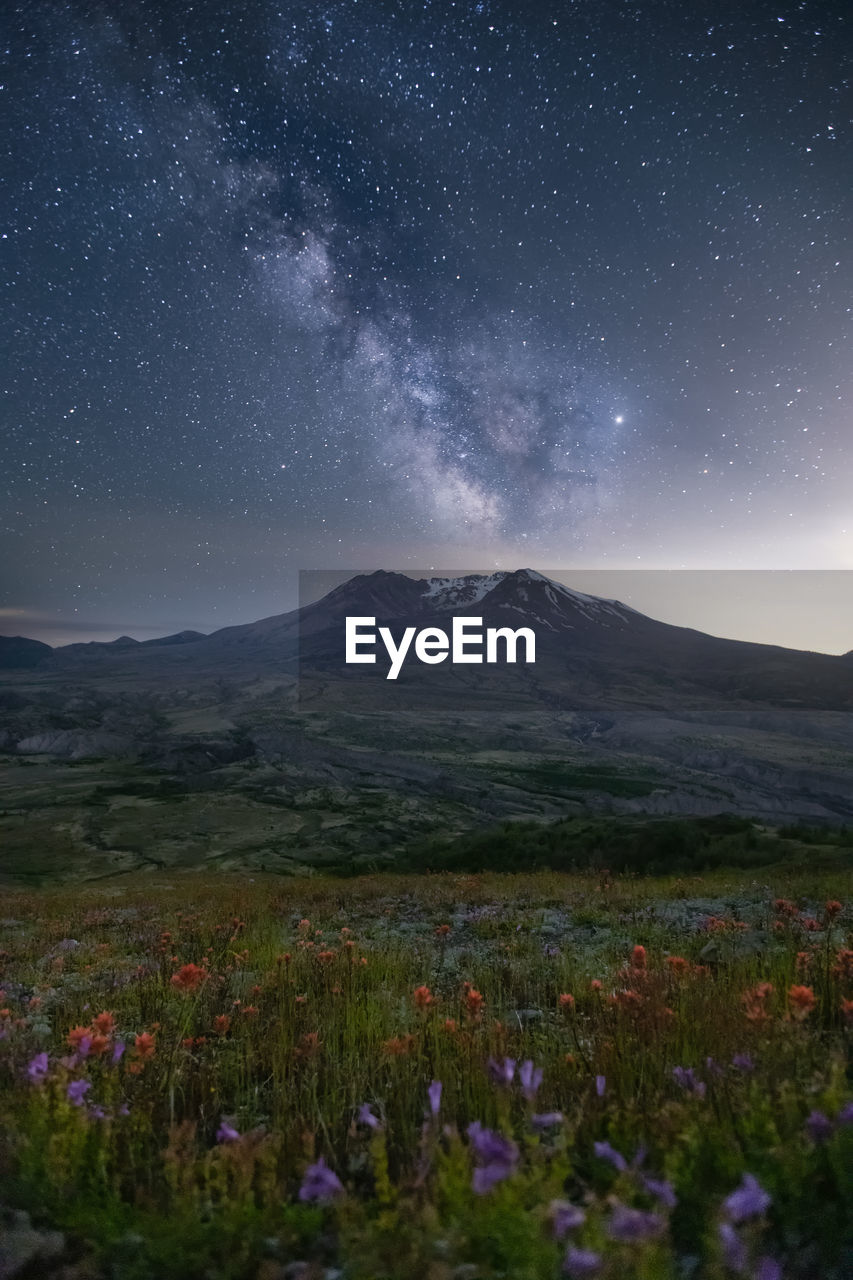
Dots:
(470, 589)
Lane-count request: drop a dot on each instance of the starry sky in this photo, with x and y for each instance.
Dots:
(477, 283)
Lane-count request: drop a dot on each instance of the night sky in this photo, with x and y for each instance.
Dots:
(401, 284)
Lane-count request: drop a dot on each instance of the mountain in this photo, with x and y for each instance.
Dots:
(180, 637)
(17, 651)
(588, 648)
(90, 647)
(258, 746)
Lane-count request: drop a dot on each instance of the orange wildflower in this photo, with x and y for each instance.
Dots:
(566, 1001)
(188, 978)
(309, 1045)
(638, 957)
(423, 997)
(222, 1024)
(754, 1002)
(450, 1024)
(832, 908)
(802, 1000)
(104, 1024)
(677, 964)
(442, 930)
(628, 999)
(75, 1035)
(474, 1002)
(143, 1046)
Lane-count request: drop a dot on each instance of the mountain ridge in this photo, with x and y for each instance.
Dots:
(586, 646)
(433, 595)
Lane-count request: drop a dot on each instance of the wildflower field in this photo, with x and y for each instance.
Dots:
(451, 1077)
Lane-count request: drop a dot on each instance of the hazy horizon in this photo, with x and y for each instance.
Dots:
(796, 609)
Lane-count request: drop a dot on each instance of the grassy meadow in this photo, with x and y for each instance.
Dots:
(450, 1076)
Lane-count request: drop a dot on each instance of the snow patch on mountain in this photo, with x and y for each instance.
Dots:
(468, 590)
(464, 591)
